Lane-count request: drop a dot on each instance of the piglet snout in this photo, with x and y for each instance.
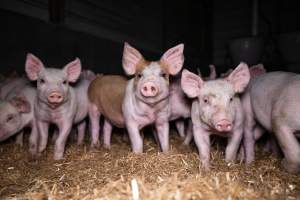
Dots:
(55, 97)
(223, 125)
(149, 89)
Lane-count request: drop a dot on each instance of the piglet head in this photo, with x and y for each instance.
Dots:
(151, 81)
(52, 84)
(11, 115)
(217, 98)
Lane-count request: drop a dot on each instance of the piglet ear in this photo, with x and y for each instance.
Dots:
(225, 74)
(239, 77)
(257, 70)
(131, 57)
(213, 74)
(73, 70)
(191, 83)
(21, 104)
(88, 74)
(173, 59)
(33, 66)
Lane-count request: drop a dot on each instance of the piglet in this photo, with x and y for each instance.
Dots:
(106, 94)
(58, 102)
(180, 108)
(16, 113)
(146, 98)
(216, 109)
(272, 100)
(11, 84)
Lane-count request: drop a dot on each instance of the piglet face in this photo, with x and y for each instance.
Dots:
(10, 116)
(151, 81)
(151, 84)
(217, 98)
(52, 84)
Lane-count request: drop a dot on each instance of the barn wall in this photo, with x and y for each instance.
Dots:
(232, 19)
(93, 31)
(58, 31)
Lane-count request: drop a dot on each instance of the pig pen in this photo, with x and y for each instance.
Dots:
(119, 174)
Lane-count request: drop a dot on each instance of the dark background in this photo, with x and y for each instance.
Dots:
(57, 31)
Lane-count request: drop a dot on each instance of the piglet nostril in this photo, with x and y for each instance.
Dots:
(145, 88)
(153, 89)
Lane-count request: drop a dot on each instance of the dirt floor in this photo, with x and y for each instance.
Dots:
(120, 174)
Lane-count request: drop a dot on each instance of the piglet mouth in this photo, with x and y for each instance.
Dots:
(3, 136)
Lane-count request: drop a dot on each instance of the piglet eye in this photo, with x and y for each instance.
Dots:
(9, 118)
(65, 82)
(205, 100)
(42, 81)
(164, 75)
(139, 75)
(231, 99)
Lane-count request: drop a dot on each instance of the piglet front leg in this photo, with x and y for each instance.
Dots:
(233, 145)
(163, 134)
(33, 141)
(135, 137)
(202, 141)
(42, 128)
(64, 131)
(189, 133)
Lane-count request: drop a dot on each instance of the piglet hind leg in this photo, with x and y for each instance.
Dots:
(290, 147)
(249, 126)
(107, 129)
(163, 135)
(135, 137)
(180, 127)
(81, 132)
(189, 133)
(94, 117)
(19, 138)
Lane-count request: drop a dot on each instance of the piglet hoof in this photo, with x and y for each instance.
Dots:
(58, 156)
(290, 167)
(205, 167)
(34, 156)
(125, 138)
(186, 143)
(106, 146)
(95, 145)
(184, 148)
(80, 144)
(19, 143)
(137, 151)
